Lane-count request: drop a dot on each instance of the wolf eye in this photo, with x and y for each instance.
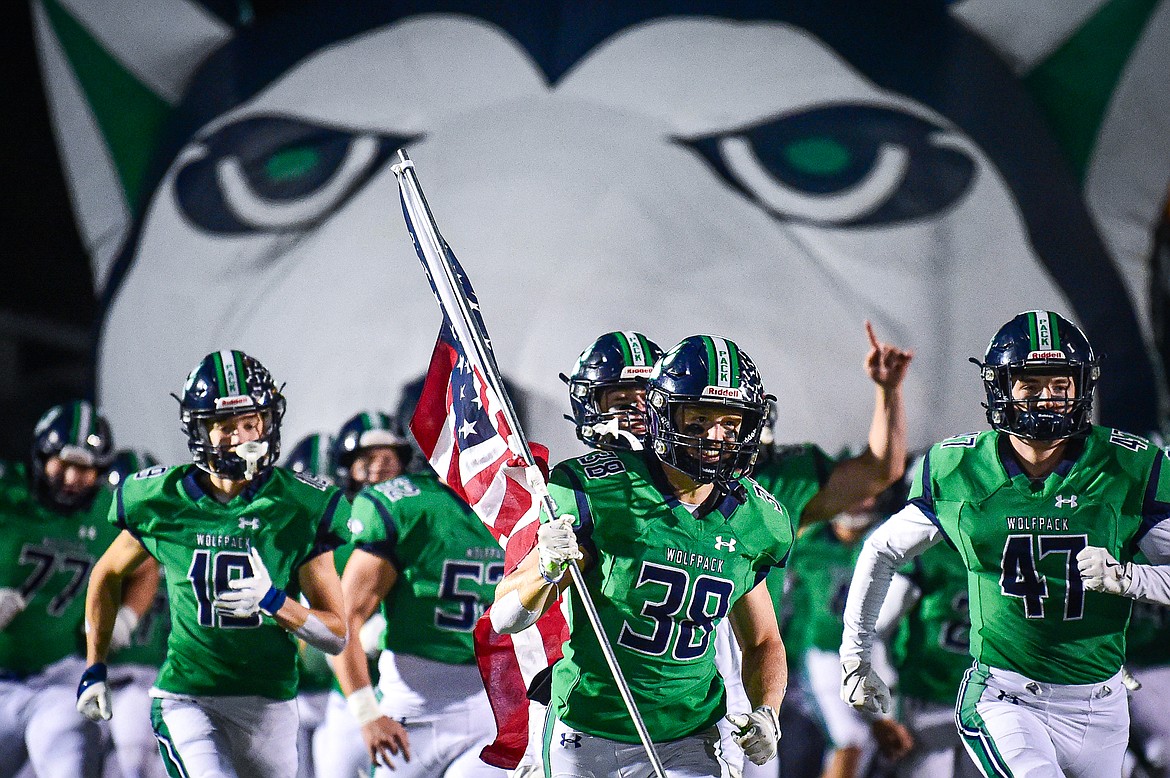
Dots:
(273, 174)
(846, 165)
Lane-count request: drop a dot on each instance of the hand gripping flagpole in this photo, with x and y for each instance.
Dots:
(460, 311)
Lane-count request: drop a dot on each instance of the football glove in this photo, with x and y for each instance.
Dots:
(757, 733)
(12, 602)
(1102, 573)
(248, 596)
(863, 688)
(557, 545)
(93, 696)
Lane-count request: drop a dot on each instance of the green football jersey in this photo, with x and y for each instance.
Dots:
(448, 564)
(823, 565)
(662, 579)
(793, 474)
(932, 648)
(202, 544)
(1019, 540)
(47, 556)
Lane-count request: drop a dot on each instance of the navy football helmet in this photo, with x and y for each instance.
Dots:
(225, 384)
(711, 371)
(615, 360)
(366, 430)
(1039, 343)
(311, 456)
(126, 463)
(77, 434)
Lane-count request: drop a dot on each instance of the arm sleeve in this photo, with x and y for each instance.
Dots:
(906, 534)
(901, 597)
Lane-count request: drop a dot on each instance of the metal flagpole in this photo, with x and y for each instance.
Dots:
(434, 252)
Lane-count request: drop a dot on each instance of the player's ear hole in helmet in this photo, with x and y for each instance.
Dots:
(691, 384)
(604, 387)
(74, 437)
(230, 400)
(1039, 374)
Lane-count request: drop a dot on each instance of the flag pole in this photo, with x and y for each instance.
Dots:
(434, 252)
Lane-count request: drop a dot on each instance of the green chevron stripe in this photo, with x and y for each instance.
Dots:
(128, 113)
(1074, 85)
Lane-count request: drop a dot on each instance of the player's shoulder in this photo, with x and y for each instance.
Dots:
(960, 452)
(759, 498)
(409, 487)
(599, 465)
(302, 487)
(1122, 451)
(152, 482)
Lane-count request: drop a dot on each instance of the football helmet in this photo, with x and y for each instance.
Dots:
(1039, 343)
(126, 463)
(712, 371)
(76, 433)
(222, 385)
(616, 359)
(311, 456)
(365, 430)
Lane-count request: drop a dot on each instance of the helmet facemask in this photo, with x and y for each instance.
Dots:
(622, 427)
(698, 456)
(1040, 418)
(241, 462)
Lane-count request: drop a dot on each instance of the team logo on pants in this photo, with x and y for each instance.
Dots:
(573, 740)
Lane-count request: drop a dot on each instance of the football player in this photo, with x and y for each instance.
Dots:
(234, 534)
(822, 564)
(132, 669)
(607, 390)
(926, 617)
(52, 529)
(672, 539)
(1020, 502)
(428, 563)
(369, 449)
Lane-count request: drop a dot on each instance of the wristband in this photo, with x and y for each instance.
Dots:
(95, 673)
(364, 705)
(272, 601)
(553, 581)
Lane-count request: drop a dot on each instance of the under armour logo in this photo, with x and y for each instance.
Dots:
(252, 523)
(721, 544)
(1008, 697)
(1063, 501)
(573, 740)
(87, 533)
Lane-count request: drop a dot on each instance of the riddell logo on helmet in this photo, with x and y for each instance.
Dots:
(636, 371)
(235, 401)
(723, 391)
(1046, 355)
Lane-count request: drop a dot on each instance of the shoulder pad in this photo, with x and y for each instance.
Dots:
(763, 493)
(150, 472)
(318, 483)
(397, 488)
(599, 464)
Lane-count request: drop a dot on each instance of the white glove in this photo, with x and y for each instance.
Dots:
(1129, 680)
(124, 626)
(93, 696)
(557, 545)
(12, 602)
(758, 733)
(1102, 573)
(249, 596)
(864, 689)
(371, 634)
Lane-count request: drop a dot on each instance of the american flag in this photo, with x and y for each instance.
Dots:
(462, 425)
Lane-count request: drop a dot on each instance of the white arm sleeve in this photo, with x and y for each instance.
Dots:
(1151, 583)
(509, 616)
(900, 598)
(905, 534)
(316, 634)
